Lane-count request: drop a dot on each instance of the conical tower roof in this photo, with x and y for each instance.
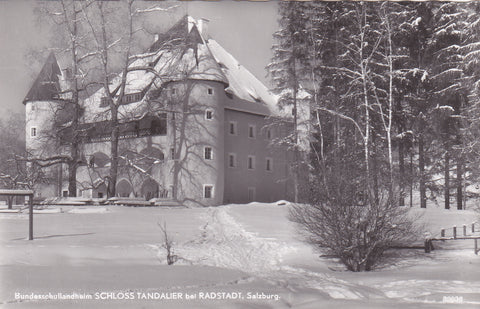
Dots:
(46, 86)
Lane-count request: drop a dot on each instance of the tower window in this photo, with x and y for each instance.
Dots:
(33, 131)
(208, 154)
(172, 153)
(209, 114)
(232, 128)
(232, 160)
(268, 166)
(207, 191)
(251, 162)
(210, 91)
(251, 131)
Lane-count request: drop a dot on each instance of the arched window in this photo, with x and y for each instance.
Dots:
(124, 188)
(150, 189)
(98, 159)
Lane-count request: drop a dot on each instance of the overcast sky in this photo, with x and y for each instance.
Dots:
(243, 28)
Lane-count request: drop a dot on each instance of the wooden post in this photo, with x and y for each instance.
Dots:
(464, 230)
(30, 217)
(442, 233)
(427, 245)
(454, 232)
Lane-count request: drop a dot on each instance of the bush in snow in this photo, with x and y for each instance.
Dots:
(357, 235)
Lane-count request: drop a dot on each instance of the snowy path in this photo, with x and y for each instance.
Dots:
(225, 242)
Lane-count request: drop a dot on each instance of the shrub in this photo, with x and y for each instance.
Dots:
(357, 235)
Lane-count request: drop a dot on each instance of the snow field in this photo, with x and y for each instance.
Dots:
(236, 248)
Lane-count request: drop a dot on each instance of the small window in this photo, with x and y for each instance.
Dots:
(172, 153)
(268, 166)
(208, 154)
(210, 91)
(174, 91)
(207, 191)
(251, 162)
(33, 107)
(65, 193)
(209, 114)
(33, 131)
(232, 128)
(105, 101)
(269, 134)
(232, 160)
(132, 97)
(251, 131)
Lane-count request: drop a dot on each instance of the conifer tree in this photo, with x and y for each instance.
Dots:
(287, 68)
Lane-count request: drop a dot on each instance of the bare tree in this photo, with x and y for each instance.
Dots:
(71, 41)
(113, 47)
(167, 244)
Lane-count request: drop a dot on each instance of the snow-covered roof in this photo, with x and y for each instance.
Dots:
(244, 84)
(183, 53)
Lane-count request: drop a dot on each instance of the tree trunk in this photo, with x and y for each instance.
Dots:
(176, 169)
(72, 179)
(421, 167)
(459, 183)
(60, 180)
(411, 179)
(113, 153)
(447, 178)
(401, 170)
(74, 148)
(295, 132)
(374, 172)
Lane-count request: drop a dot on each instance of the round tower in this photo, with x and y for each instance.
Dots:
(196, 137)
(42, 106)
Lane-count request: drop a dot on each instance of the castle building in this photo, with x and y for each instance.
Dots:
(195, 127)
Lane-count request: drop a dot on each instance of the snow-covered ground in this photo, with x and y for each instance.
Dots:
(233, 256)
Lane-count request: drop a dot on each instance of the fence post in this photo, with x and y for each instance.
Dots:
(464, 230)
(428, 243)
(454, 232)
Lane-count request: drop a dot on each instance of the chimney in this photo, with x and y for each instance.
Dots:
(155, 38)
(203, 27)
